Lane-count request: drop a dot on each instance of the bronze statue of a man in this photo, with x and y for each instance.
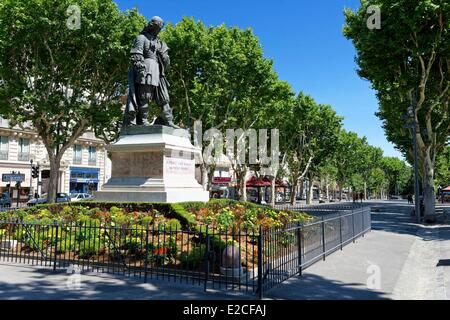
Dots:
(147, 81)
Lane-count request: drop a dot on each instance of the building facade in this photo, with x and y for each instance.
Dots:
(84, 168)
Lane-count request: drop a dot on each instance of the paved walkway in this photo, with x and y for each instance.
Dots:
(413, 263)
(19, 281)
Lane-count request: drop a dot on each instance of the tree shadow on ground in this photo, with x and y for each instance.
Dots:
(34, 283)
(313, 287)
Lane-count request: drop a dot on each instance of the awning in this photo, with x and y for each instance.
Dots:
(446, 189)
(83, 180)
(265, 182)
(259, 182)
(221, 180)
(84, 170)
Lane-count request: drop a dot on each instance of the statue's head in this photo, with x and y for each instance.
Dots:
(155, 25)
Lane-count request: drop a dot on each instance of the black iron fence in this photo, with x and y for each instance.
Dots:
(248, 260)
(289, 251)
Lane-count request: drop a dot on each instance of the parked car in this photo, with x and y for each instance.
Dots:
(60, 197)
(81, 197)
(5, 200)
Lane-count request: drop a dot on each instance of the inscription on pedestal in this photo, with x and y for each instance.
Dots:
(179, 167)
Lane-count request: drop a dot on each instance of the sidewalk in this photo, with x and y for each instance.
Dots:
(411, 260)
(18, 281)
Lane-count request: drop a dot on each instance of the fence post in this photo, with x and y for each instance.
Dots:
(353, 223)
(260, 263)
(56, 246)
(207, 249)
(299, 244)
(340, 229)
(146, 255)
(362, 222)
(323, 239)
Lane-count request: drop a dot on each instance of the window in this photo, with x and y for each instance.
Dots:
(77, 154)
(92, 156)
(4, 147)
(24, 149)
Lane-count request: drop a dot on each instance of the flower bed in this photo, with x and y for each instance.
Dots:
(169, 235)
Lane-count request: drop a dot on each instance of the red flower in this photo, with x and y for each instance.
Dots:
(160, 251)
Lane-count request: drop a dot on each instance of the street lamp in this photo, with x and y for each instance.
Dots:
(413, 125)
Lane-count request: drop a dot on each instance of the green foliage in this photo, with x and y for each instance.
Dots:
(225, 219)
(309, 133)
(407, 62)
(61, 79)
(443, 168)
(397, 173)
(173, 225)
(89, 248)
(194, 257)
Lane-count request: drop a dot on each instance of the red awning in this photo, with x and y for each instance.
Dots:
(221, 180)
(258, 182)
(446, 189)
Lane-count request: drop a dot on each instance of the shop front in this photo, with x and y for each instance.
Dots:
(220, 187)
(84, 180)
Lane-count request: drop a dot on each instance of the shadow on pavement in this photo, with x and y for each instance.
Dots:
(314, 287)
(33, 283)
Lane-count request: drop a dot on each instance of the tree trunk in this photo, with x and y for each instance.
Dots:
(340, 191)
(302, 188)
(53, 180)
(428, 188)
(294, 189)
(365, 190)
(241, 173)
(273, 195)
(211, 170)
(319, 195)
(204, 170)
(309, 197)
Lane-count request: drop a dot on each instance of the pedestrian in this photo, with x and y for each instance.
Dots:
(410, 198)
(36, 195)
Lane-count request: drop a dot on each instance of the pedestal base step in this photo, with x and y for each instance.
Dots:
(170, 196)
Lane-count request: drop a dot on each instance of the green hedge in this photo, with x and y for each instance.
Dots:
(180, 211)
(170, 210)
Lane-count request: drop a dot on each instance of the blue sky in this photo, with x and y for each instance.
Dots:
(304, 39)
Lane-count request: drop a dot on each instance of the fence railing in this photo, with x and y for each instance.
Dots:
(289, 251)
(250, 260)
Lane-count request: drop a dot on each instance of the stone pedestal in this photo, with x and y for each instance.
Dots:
(152, 164)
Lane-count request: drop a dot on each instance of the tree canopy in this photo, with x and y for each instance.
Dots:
(64, 79)
(407, 60)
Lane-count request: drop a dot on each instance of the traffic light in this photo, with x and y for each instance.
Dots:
(35, 172)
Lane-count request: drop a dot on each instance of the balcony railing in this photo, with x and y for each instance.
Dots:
(3, 154)
(92, 162)
(77, 160)
(24, 156)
